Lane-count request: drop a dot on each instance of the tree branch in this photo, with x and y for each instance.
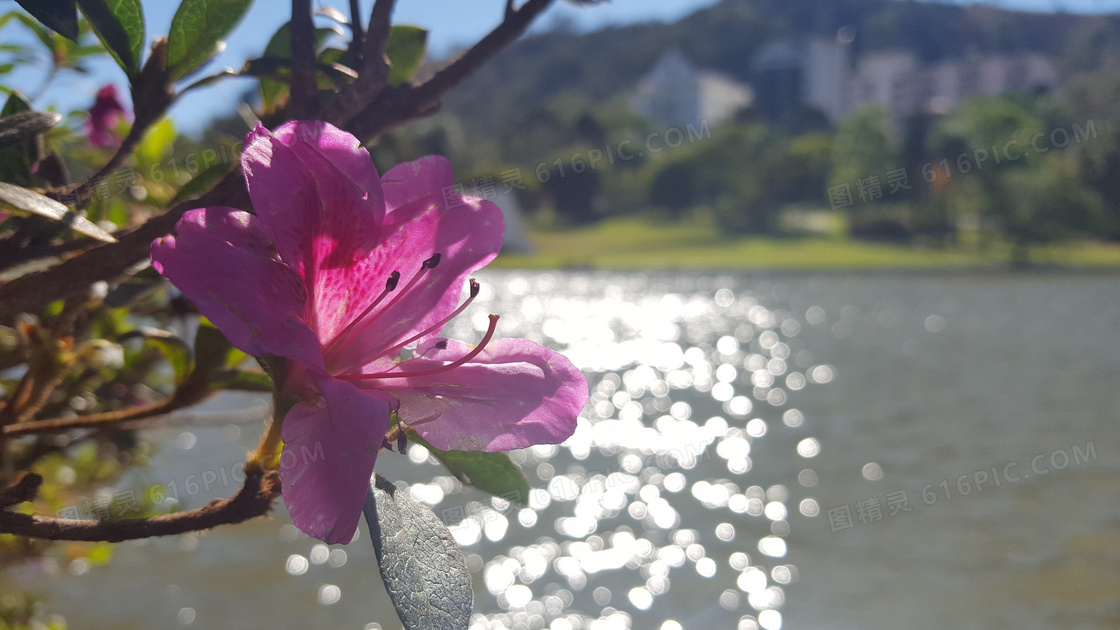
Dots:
(252, 500)
(396, 106)
(93, 420)
(32, 292)
(304, 90)
(373, 74)
(357, 35)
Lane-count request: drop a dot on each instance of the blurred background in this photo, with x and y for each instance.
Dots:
(843, 276)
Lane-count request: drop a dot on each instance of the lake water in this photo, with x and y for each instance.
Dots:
(775, 451)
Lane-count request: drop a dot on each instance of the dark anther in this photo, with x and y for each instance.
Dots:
(391, 283)
(441, 345)
(474, 288)
(432, 262)
(386, 444)
(402, 441)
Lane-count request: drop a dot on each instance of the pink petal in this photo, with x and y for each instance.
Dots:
(512, 395)
(220, 259)
(425, 217)
(329, 451)
(318, 195)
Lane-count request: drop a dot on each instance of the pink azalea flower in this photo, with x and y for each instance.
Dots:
(105, 117)
(339, 271)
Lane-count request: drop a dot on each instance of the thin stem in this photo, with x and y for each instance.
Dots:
(267, 455)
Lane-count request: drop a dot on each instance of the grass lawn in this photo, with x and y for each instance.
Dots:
(631, 243)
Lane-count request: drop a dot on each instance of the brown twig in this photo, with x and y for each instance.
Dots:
(373, 75)
(357, 35)
(303, 89)
(33, 291)
(397, 106)
(93, 420)
(252, 500)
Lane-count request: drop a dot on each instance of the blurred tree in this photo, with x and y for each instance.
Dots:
(980, 143)
(865, 146)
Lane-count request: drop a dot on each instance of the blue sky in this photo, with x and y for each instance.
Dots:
(451, 25)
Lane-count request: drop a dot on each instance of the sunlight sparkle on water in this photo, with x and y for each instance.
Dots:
(694, 382)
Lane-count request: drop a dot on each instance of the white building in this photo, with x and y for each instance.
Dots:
(820, 73)
(677, 92)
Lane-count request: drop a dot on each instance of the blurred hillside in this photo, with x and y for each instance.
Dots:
(592, 69)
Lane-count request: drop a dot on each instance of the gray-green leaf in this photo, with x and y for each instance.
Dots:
(494, 473)
(197, 31)
(422, 567)
(119, 25)
(25, 126)
(17, 199)
(406, 48)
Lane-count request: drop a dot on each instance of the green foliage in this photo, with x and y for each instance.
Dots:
(405, 49)
(17, 157)
(865, 146)
(61, 52)
(119, 24)
(274, 65)
(493, 473)
(1049, 203)
(197, 30)
(157, 143)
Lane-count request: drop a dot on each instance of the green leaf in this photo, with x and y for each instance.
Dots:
(42, 34)
(177, 352)
(20, 200)
(61, 16)
(197, 31)
(119, 25)
(202, 182)
(157, 142)
(16, 161)
(279, 52)
(211, 349)
(406, 48)
(422, 567)
(15, 104)
(494, 473)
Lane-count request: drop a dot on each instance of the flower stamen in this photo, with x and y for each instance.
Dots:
(390, 286)
(436, 370)
(438, 325)
(360, 323)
